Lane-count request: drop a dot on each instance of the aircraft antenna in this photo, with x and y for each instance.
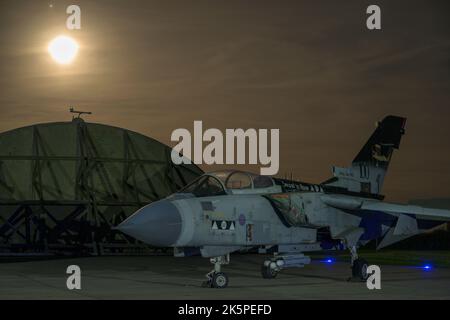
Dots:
(79, 113)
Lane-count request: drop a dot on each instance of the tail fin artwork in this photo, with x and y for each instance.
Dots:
(366, 174)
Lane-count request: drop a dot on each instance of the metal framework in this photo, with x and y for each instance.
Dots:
(83, 225)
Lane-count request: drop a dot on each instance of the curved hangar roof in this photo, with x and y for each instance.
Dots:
(76, 161)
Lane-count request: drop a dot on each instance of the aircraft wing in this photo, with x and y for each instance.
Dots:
(404, 221)
(431, 213)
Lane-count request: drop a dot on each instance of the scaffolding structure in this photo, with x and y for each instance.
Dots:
(65, 185)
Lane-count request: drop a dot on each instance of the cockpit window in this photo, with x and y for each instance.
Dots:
(239, 180)
(222, 175)
(262, 182)
(192, 186)
(209, 187)
(205, 186)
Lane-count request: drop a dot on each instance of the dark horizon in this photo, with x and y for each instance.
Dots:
(312, 70)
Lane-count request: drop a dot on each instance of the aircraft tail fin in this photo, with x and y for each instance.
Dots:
(366, 174)
(378, 149)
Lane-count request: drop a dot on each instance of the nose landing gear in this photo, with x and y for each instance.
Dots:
(219, 280)
(216, 278)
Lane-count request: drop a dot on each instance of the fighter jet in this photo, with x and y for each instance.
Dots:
(227, 211)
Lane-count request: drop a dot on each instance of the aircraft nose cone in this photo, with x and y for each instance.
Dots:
(157, 224)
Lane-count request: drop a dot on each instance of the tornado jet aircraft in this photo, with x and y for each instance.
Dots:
(227, 211)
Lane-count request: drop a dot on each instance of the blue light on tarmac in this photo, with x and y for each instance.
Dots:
(426, 267)
(328, 260)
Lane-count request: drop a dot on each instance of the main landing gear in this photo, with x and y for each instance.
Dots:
(358, 265)
(271, 267)
(216, 278)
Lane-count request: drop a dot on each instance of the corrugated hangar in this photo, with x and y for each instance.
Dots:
(64, 185)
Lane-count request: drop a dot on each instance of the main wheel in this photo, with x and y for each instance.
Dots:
(219, 280)
(267, 272)
(359, 269)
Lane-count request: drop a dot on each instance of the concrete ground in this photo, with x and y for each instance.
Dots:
(166, 277)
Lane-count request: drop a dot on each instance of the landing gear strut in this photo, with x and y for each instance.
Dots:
(216, 278)
(358, 265)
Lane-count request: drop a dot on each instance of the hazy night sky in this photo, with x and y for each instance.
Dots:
(311, 69)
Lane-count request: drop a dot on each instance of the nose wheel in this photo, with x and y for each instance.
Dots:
(219, 280)
(216, 278)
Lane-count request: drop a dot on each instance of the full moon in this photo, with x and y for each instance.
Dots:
(63, 49)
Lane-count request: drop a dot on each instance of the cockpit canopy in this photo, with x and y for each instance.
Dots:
(230, 182)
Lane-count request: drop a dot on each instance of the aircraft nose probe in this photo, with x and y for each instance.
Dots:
(157, 224)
